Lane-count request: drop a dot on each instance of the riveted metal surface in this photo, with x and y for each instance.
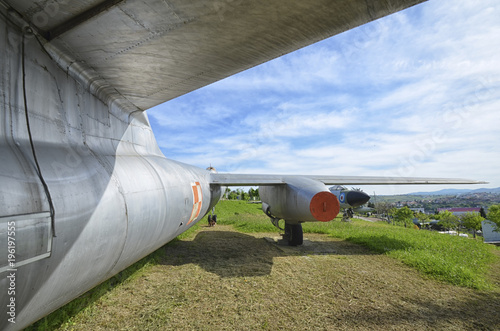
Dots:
(116, 197)
(151, 51)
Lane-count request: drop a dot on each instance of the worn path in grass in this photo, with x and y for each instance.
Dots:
(221, 279)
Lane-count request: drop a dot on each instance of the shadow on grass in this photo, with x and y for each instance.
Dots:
(227, 254)
(234, 254)
(64, 314)
(380, 243)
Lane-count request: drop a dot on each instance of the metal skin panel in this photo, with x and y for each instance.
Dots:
(145, 52)
(116, 198)
(50, 14)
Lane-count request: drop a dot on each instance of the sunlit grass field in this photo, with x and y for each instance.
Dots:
(185, 285)
(456, 260)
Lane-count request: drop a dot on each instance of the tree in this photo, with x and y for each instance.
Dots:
(482, 213)
(404, 215)
(390, 215)
(243, 195)
(422, 217)
(383, 207)
(253, 193)
(448, 220)
(494, 215)
(233, 195)
(472, 221)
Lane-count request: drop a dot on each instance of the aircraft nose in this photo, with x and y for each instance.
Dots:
(357, 198)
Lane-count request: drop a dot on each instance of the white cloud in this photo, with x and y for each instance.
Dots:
(415, 94)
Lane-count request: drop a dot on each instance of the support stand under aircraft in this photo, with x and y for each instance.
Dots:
(293, 234)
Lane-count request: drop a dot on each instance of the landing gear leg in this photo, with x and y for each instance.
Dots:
(348, 214)
(293, 234)
(212, 218)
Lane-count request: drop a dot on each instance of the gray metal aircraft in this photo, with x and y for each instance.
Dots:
(350, 200)
(84, 189)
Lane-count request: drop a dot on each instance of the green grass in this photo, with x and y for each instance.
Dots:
(456, 260)
(244, 216)
(85, 304)
(459, 261)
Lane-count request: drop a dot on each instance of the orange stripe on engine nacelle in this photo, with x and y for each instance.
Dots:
(324, 206)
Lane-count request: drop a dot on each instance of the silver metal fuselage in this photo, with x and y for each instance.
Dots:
(116, 197)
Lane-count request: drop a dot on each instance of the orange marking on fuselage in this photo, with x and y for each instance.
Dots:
(197, 201)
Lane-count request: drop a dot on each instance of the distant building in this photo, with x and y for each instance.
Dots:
(418, 210)
(490, 234)
(460, 211)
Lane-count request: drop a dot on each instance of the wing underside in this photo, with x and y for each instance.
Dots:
(137, 54)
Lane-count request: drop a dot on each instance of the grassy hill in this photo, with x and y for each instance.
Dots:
(357, 275)
(457, 260)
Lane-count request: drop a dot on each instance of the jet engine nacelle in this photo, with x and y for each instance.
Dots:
(299, 200)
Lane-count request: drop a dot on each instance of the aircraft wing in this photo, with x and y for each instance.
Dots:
(136, 54)
(227, 179)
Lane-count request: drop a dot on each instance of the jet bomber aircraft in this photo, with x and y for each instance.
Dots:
(84, 189)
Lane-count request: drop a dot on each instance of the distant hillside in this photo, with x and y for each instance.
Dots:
(458, 191)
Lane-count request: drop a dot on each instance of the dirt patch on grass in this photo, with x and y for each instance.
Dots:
(220, 279)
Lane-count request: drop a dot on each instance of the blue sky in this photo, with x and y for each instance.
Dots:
(416, 93)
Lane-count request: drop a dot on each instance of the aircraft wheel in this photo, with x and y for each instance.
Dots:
(294, 234)
(268, 212)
